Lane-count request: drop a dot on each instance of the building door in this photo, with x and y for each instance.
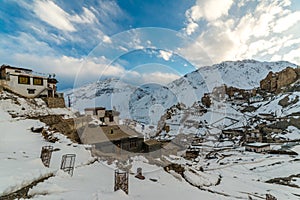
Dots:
(50, 93)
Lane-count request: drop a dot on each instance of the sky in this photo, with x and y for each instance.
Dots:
(149, 41)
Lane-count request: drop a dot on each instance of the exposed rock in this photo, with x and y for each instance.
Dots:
(249, 109)
(283, 125)
(269, 83)
(206, 101)
(285, 102)
(286, 77)
(274, 82)
(175, 167)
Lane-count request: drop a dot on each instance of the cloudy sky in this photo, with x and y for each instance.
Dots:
(147, 41)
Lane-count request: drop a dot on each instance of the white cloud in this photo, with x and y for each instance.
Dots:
(87, 17)
(160, 77)
(287, 22)
(293, 56)
(209, 10)
(83, 71)
(165, 55)
(25, 43)
(55, 16)
(276, 58)
(191, 27)
(51, 13)
(107, 39)
(263, 31)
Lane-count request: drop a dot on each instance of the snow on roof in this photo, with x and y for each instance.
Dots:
(17, 68)
(257, 144)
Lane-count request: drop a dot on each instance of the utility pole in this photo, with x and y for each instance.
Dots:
(69, 101)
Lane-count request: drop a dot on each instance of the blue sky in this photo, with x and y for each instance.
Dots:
(144, 41)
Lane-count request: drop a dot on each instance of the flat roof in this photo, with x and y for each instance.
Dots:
(152, 142)
(17, 68)
(99, 134)
(257, 144)
(95, 108)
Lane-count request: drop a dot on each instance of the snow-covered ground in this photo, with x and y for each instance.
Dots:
(241, 173)
(21, 165)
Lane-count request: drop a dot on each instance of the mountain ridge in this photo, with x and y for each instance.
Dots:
(145, 104)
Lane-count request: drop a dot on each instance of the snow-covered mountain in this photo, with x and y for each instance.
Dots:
(146, 103)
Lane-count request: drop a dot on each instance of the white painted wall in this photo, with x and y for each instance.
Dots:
(258, 149)
(100, 113)
(22, 89)
(89, 112)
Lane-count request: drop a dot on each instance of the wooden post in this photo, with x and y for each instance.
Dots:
(46, 154)
(139, 174)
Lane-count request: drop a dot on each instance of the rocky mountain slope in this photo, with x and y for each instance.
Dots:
(148, 102)
(231, 116)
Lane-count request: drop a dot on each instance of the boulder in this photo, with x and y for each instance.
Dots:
(206, 101)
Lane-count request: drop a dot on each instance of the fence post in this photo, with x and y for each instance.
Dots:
(121, 181)
(67, 163)
(46, 154)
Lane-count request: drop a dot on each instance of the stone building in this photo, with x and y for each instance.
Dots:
(27, 83)
(113, 139)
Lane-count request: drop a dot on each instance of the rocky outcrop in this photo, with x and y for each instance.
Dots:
(285, 102)
(286, 77)
(274, 82)
(206, 101)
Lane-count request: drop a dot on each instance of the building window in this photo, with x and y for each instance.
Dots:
(31, 91)
(37, 81)
(132, 144)
(24, 80)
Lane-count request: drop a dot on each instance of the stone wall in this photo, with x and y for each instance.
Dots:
(2, 85)
(64, 126)
(55, 102)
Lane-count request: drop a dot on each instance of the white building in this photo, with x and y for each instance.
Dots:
(25, 83)
(257, 147)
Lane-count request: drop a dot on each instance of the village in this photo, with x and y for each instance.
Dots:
(108, 134)
(109, 137)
